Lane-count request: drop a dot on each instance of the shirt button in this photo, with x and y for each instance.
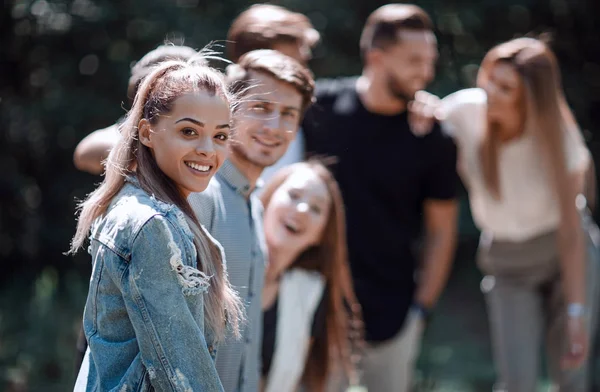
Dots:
(250, 294)
(248, 340)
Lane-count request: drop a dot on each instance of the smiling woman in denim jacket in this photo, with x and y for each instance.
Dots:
(159, 298)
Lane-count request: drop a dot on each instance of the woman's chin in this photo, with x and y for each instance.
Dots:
(194, 188)
(282, 241)
(276, 242)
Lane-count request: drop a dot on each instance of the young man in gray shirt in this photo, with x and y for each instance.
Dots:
(276, 91)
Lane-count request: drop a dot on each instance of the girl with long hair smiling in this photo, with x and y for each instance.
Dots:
(159, 297)
(311, 315)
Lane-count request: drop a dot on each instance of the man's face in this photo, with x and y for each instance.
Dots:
(267, 121)
(409, 65)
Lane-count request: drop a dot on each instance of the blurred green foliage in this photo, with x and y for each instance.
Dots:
(64, 66)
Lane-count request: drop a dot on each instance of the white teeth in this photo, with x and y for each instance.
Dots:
(195, 166)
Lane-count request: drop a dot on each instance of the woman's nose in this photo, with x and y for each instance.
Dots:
(206, 147)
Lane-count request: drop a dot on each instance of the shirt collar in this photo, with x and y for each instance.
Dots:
(235, 179)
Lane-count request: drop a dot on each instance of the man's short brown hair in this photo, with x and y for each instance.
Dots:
(275, 64)
(263, 25)
(383, 25)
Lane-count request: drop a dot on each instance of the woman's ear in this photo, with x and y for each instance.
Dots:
(145, 133)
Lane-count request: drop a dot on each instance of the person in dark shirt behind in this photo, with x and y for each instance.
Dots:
(399, 189)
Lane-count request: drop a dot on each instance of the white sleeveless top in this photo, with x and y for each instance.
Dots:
(300, 292)
(528, 206)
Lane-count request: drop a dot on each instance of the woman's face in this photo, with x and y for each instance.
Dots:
(190, 143)
(505, 95)
(296, 216)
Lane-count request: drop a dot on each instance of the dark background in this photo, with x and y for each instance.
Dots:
(64, 67)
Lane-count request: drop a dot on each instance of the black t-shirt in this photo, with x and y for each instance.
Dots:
(385, 173)
(318, 330)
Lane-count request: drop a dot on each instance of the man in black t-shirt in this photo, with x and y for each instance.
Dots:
(399, 189)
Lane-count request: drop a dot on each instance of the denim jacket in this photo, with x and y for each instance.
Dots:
(144, 315)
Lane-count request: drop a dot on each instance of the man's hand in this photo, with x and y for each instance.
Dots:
(440, 241)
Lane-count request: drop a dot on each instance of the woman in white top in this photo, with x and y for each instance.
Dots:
(522, 159)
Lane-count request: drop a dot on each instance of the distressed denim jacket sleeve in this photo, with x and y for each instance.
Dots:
(163, 291)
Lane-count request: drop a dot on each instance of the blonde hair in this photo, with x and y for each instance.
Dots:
(155, 97)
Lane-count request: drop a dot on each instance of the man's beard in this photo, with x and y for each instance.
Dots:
(397, 91)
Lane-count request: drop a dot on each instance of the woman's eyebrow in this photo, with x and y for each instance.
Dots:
(199, 123)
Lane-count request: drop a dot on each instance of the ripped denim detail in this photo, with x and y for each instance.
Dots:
(161, 205)
(182, 382)
(151, 372)
(192, 280)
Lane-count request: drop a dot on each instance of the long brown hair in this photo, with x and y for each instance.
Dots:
(343, 316)
(547, 113)
(548, 117)
(155, 97)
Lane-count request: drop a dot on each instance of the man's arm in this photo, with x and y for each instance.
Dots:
(440, 208)
(440, 242)
(91, 152)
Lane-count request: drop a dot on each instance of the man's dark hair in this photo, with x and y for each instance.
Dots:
(383, 25)
(263, 25)
(275, 64)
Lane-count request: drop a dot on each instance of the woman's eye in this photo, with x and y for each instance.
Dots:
(188, 132)
(315, 209)
(294, 195)
(505, 88)
(222, 137)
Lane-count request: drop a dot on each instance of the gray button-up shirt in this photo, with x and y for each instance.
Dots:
(233, 216)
